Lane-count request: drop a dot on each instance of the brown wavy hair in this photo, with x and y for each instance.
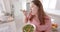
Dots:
(41, 13)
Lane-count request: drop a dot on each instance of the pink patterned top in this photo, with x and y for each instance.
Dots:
(42, 28)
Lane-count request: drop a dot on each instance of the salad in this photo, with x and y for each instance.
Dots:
(28, 28)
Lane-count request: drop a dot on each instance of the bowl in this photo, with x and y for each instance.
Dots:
(29, 28)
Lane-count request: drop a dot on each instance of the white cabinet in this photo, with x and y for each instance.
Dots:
(8, 27)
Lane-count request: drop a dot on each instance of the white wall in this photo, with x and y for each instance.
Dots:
(51, 4)
(58, 5)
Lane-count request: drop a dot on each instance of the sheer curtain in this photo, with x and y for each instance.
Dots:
(2, 9)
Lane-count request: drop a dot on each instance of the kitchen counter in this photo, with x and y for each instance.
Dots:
(8, 27)
(6, 19)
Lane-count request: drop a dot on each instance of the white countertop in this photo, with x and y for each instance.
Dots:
(6, 18)
(52, 11)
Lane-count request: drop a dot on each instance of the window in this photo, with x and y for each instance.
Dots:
(51, 4)
(45, 3)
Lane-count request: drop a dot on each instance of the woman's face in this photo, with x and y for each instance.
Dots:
(33, 9)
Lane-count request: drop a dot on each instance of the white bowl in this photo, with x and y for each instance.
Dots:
(32, 25)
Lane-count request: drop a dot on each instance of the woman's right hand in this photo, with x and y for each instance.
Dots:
(27, 17)
(25, 12)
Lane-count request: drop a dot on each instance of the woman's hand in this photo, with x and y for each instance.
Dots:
(27, 15)
(25, 12)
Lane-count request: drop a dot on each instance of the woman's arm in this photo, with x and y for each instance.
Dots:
(27, 17)
(45, 27)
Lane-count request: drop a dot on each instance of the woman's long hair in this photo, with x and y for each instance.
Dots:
(41, 13)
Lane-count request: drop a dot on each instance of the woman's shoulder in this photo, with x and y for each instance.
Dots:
(47, 17)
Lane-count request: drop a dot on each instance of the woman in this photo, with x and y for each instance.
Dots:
(38, 17)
